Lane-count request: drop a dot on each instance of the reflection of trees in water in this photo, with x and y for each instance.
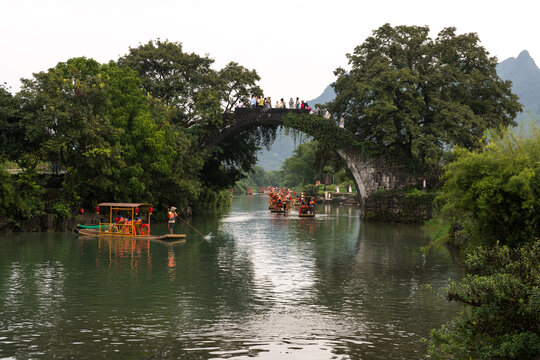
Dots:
(376, 279)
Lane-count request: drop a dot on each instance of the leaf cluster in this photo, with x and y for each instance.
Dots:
(197, 97)
(411, 96)
(502, 291)
(493, 196)
(97, 123)
(326, 131)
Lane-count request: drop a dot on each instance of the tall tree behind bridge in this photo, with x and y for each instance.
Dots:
(199, 96)
(409, 97)
(183, 80)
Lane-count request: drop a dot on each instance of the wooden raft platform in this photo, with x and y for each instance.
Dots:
(164, 238)
(306, 215)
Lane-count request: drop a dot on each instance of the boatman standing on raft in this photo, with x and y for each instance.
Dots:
(172, 215)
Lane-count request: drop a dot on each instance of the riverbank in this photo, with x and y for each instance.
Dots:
(46, 222)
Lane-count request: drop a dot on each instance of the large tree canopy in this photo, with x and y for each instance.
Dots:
(95, 121)
(171, 75)
(198, 97)
(412, 96)
(184, 80)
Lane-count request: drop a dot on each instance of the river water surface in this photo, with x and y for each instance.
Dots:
(262, 286)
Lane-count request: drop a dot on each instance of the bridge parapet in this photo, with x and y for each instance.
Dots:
(264, 115)
(245, 118)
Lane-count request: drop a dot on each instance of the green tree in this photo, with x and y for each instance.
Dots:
(172, 75)
(12, 142)
(502, 320)
(96, 120)
(492, 196)
(8, 192)
(299, 169)
(199, 97)
(410, 96)
(237, 85)
(310, 162)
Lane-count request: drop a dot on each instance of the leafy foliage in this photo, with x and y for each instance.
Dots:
(8, 192)
(503, 293)
(96, 121)
(236, 85)
(11, 134)
(324, 130)
(409, 96)
(258, 177)
(171, 75)
(493, 196)
(310, 162)
(197, 97)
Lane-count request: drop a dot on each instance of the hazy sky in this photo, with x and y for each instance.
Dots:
(293, 45)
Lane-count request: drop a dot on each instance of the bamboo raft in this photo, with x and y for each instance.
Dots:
(126, 227)
(278, 211)
(167, 237)
(306, 215)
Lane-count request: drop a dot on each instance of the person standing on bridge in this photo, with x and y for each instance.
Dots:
(261, 101)
(327, 114)
(253, 101)
(291, 104)
(278, 105)
(297, 104)
(283, 105)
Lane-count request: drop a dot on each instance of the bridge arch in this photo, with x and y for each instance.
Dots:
(369, 174)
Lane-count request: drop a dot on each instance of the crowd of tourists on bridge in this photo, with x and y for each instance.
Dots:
(266, 102)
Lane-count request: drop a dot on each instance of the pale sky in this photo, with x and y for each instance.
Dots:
(294, 45)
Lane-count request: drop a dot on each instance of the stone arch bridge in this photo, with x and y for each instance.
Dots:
(369, 174)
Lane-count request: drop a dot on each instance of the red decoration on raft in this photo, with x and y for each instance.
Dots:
(150, 210)
(81, 211)
(136, 211)
(97, 210)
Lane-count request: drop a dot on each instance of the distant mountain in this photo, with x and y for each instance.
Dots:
(328, 95)
(525, 77)
(522, 71)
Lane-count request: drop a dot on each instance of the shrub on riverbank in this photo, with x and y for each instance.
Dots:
(491, 199)
(492, 196)
(502, 320)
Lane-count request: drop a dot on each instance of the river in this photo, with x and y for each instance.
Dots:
(261, 286)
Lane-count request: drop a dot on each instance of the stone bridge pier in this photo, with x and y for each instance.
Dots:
(373, 174)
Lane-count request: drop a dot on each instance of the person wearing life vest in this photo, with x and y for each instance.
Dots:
(172, 215)
(119, 222)
(137, 223)
(312, 206)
